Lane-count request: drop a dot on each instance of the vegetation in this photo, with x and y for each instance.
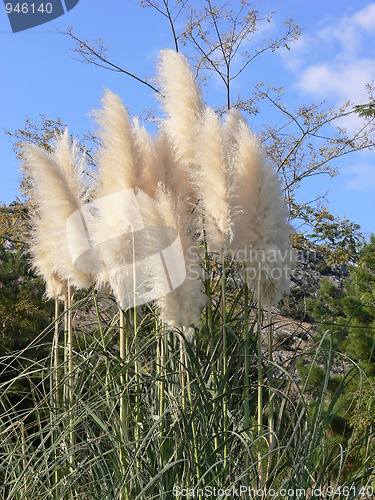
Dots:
(348, 317)
(144, 399)
(224, 42)
(352, 309)
(172, 434)
(23, 311)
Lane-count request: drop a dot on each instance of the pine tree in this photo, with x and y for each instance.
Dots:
(349, 315)
(24, 312)
(351, 310)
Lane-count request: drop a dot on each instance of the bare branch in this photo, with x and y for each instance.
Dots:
(92, 55)
(180, 5)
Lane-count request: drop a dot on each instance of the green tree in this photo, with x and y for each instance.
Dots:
(339, 240)
(352, 309)
(24, 312)
(347, 318)
(14, 224)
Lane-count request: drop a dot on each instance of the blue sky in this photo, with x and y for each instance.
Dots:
(332, 61)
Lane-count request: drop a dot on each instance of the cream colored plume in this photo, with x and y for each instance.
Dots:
(57, 197)
(153, 158)
(42, 261)
(214, 180)
(167, 159)
(182, 102)
(118, 156)
(233, 118)
(159, 160)
(182, 307)
(72, 163)
(261, 229)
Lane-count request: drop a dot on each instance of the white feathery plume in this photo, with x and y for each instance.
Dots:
(68, 157)
(182, 102)
(182, 307)
(117, 157)
(159, 160)
(167, 160)
(43, 264)
(152, 158)
(120, 172)
(260, 226)
(233, 118)
(57, 197)
(214, 179)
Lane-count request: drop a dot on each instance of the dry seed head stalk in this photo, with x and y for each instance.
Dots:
(182, 307)
(57, 198)
(182, 102)
(213, 178)
(261, 226)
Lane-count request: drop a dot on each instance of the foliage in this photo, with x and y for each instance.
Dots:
(353, 308)
(367, 110)
(209, 413)
(338, 239)
(348, 317)
(223, 40)
(24, 313)
(294, 304)
(14, 224)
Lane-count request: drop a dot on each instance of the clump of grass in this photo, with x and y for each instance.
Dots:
(172, 434)
(159, 396)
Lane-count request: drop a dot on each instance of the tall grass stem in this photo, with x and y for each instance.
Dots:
(260, 391)
(224, 358)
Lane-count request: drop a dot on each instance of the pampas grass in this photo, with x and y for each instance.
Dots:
(182, 102)
(240, 193)
(118, 161)
(213, 178)
(117, 158)
(261, 233)
(153, 154)
(71, 161)
(260, 224)
(57, 196)
(59, 191)
(157, 202)
(182, 307)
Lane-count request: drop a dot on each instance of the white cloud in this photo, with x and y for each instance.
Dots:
(365, 18)
(337, 60)
(349, 31)
(364, 177)
(341, 80)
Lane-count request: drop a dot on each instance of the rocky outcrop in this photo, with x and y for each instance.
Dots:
(311, 266)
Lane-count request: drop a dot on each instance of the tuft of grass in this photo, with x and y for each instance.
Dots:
(155, 417)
